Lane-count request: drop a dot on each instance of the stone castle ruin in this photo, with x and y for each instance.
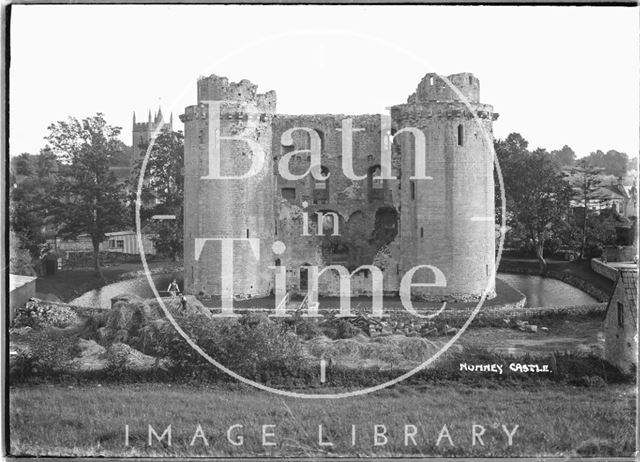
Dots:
(392, 216)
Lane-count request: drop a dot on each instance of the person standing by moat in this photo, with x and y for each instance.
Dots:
(174, 288)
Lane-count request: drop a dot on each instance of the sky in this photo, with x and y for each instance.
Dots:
(556, 75)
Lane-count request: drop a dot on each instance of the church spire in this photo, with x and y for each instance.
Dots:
(134, 117)
(159, 115)
(149, 115)
(171, 120)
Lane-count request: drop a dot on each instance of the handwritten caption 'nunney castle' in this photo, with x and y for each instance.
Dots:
(498, 368)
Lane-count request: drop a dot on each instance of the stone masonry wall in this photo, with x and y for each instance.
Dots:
(229, 208)
(394, 224)
(448, 221)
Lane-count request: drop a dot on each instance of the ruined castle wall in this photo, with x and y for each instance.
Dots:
(230, 208)
(397, 224)
(355, 202)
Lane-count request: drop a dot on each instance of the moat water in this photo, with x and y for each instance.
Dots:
(101, 298)
(547, 292)
(540, 292)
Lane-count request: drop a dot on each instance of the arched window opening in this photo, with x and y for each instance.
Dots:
(321, 188)
(289, 194)
(460, 135)
(325, 223)
(421, 232)
(376, 185)
(304, 277)
(278, 262)
(385, 226)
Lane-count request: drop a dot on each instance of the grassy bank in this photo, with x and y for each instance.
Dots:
(554, 420)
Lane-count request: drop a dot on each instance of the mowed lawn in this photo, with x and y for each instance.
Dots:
(554, 420)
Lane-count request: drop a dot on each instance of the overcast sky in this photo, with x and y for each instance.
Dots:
(557, 75)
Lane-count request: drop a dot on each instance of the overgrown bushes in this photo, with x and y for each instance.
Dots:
(252, 346)
(48, 354)
(38, 314)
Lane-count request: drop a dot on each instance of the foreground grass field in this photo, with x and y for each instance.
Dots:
(554, 420)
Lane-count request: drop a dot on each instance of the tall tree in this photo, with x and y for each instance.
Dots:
(512, 147)
(30, 201)
(612, 163)
(565, 157)
(585, 180)
(508, 152)
(23, 164)
(539, 199)
(88, 198)
(163, 192)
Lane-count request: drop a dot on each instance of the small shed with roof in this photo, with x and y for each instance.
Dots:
(21, 289)
(621, 322)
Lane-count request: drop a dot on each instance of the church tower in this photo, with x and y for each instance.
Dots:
(144, 131)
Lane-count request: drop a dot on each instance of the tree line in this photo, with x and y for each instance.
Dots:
(70, 189)
(543, 190)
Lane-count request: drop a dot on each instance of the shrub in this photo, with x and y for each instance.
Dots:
(36, 314)
(116, 361)
(337, 329)
(253, 346)
(590, 381)
(304, 328)
(48, 354)
(344, 329)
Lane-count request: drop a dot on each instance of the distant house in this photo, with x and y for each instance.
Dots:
(616, 196)
(127, 242)
(621, 322)
(118, 242)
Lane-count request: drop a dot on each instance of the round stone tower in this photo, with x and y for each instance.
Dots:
(447, 221)
(217, 206)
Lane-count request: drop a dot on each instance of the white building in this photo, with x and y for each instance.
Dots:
(118, 242)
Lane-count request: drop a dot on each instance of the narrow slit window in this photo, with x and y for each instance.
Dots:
(620, 315)
(247, 232)
(421, 232)
(413, 190)
(460, 135)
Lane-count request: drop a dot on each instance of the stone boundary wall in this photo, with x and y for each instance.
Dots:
(604, 270)
(83, 259)
(511, 311)
(620, 253)
(519, 311)
(568, 278)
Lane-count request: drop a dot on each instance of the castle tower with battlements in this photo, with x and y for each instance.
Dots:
(443, 218)
(242, 209)
(448, 220)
